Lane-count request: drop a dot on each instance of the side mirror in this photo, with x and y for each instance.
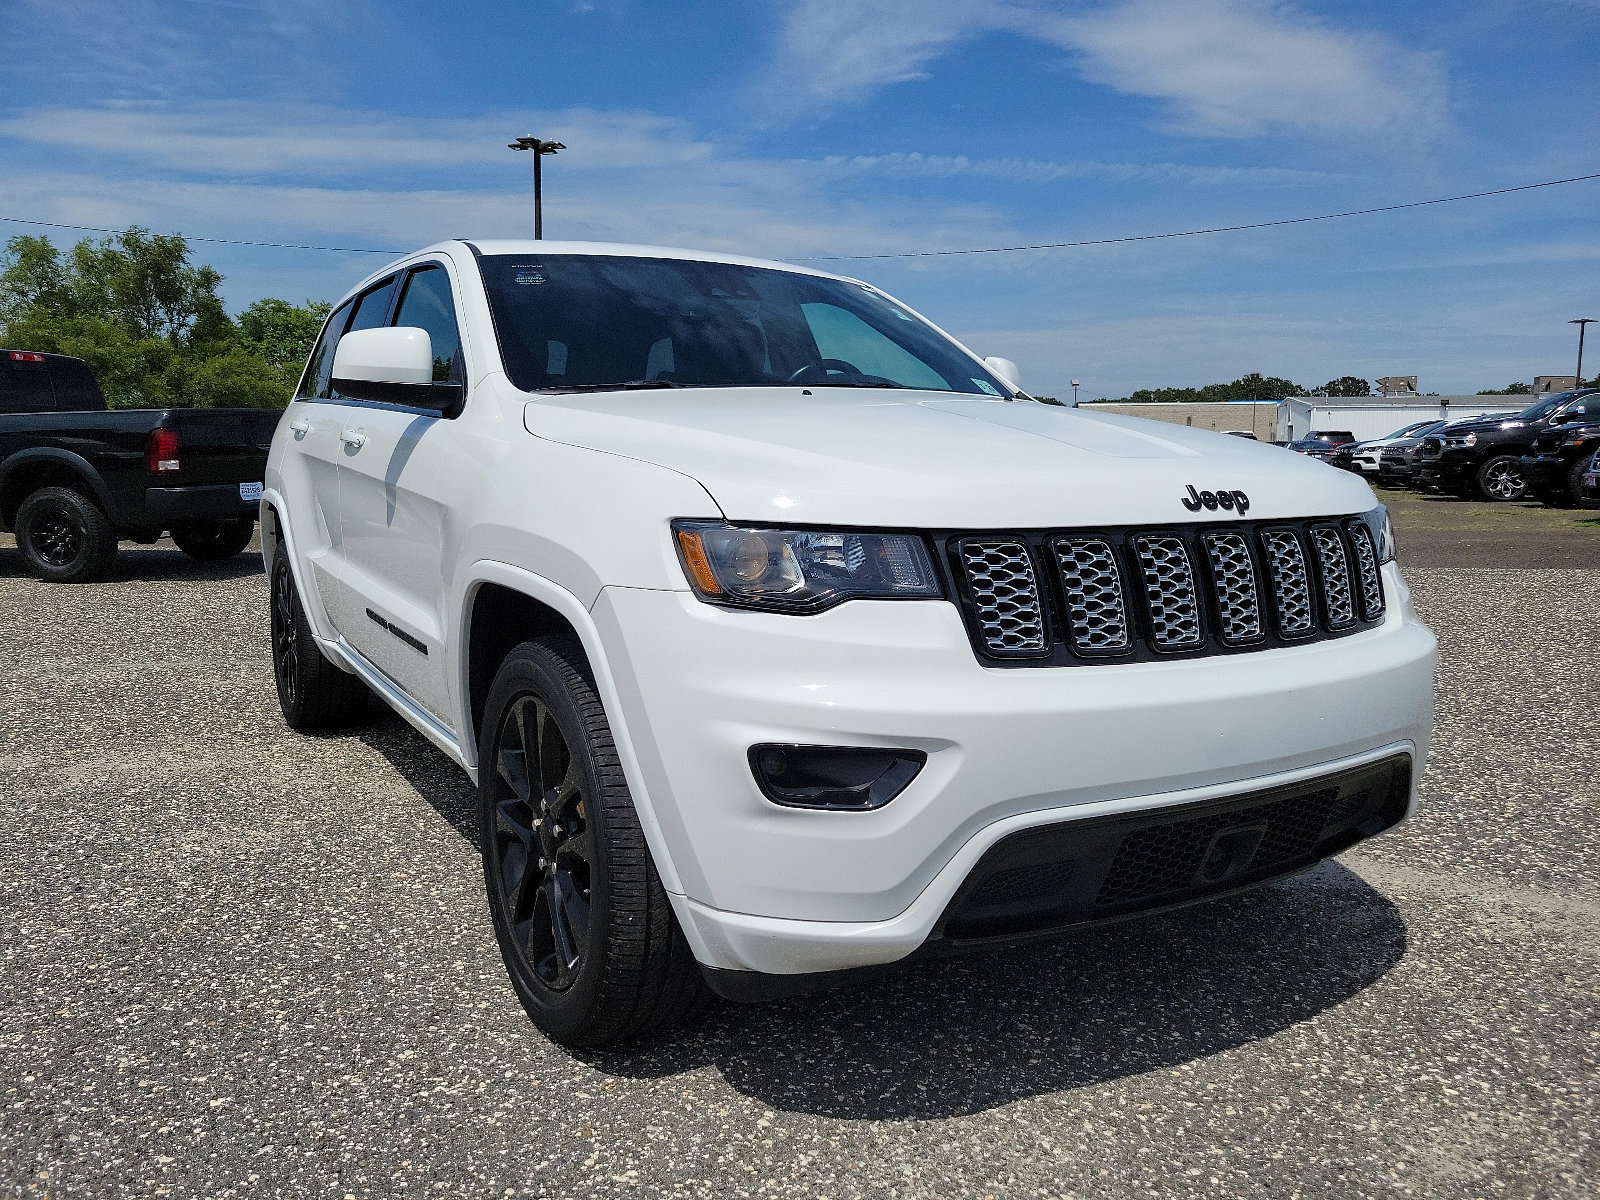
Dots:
(392, 366)
(1007, 370)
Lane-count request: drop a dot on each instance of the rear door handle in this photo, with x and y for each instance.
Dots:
(353, 438)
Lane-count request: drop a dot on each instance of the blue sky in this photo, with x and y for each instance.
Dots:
(802, 128)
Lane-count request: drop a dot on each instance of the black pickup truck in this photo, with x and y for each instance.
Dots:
(1560, 458)
(75, 477)
(1483, 459)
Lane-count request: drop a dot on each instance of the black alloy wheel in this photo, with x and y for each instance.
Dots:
(586, 930)
(1501, 479)
(63, 536)
(313, 693)
(540, 844)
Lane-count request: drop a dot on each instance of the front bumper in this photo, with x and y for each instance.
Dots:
(1441, 473)
(1544, 471)
(786, 891)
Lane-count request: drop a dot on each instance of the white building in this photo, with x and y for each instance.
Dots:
(1376, 416)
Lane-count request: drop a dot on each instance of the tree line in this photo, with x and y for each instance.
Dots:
(150, 325)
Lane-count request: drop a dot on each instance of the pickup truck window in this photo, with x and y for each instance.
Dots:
(319, 368)
(372, 306)
(586, 322)
(426, 304)
(25, 388)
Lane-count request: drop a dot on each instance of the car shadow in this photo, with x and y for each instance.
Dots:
(152, 563)
(945, 1037)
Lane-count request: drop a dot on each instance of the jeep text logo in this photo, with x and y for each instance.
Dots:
(1195, 501)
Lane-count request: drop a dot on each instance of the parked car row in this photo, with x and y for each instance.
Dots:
(76, 478)
(1544, 451)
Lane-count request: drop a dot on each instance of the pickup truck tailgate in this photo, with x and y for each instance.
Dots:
(221, 445)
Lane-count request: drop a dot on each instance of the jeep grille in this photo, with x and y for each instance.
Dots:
(1055, 598)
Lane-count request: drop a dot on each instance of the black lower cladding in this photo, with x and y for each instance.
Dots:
(1081, 872)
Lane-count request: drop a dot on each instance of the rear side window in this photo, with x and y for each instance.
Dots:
(76, 389)
(25, 388)
(427, 304)
(319, 368)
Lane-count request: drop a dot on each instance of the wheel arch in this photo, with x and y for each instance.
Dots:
(26, 471)
(502, 607)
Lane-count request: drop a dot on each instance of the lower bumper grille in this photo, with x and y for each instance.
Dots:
(1081, 872)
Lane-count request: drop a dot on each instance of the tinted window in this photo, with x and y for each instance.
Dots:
(25, 388)
(427, 304)
(76, 389)
(596, 321)
(372, 306)
(319, 367)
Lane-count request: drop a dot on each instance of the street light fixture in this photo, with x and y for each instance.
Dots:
(1074, 393)
(540, 149)
(1581, 323)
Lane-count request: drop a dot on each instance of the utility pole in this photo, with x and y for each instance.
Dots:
(1581, 323)
(540, 149)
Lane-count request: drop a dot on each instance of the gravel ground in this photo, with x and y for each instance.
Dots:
(240, 962)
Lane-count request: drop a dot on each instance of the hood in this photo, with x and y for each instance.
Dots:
(934, 460)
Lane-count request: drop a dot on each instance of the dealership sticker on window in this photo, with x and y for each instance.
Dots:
(249, 491)
(986, 386)
(528, 275)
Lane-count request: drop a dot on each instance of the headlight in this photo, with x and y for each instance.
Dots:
(801, 570)
(1382, 533)
(1457, 443)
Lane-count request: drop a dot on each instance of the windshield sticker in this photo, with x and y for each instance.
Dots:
(985, 385)
(527, 275)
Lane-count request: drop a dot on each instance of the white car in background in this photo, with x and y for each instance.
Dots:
(1365, 456)
(783, 636)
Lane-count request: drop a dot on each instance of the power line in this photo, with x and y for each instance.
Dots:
(1153, 237)
(1140, 237)
(211, 240)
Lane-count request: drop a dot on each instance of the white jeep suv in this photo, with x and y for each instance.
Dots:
(785, 638)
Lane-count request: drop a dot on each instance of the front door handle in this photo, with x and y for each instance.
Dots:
(300, 426)
(353, 438)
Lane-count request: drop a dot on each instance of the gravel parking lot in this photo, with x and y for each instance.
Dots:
(237, 962)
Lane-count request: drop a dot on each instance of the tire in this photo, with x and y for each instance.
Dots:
(313, 693)
(1500, 480)
(584, 925)
(1574, 485)
(64, 537)
(213, 541)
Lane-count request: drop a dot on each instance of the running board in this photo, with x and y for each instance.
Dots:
(424, 722)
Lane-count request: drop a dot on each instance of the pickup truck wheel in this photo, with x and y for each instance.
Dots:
(587, 933)
(313, 693)
(1501, 479)
(212, 541)
(64, 537)
(1573, 486)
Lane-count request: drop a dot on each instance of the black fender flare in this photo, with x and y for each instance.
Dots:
(65, 459)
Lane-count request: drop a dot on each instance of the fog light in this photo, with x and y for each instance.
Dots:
(833, 777)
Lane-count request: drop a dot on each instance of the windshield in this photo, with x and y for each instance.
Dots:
(1548, 405)
(581, 322)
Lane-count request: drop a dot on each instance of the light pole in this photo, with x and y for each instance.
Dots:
(1581, 323)
(1074, 393)
(540, 149)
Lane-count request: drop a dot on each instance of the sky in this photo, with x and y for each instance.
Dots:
(817, 130)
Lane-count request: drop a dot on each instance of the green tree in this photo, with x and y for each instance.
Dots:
(1347, 385)
(151, 325)
(1511, 389)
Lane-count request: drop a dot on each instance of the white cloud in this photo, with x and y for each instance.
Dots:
(1016, 170)
(1220, 68)
(1237, 68)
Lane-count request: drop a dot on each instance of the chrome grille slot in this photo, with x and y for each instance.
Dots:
(1291, 582)
(1091, 583)
(1333, 568)
(1169, 589)
(1005, 596)
(1233, 573)
(1367, 572)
